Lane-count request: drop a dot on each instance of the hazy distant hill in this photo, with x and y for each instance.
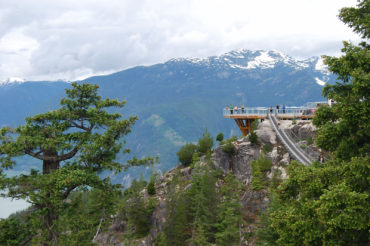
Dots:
(177, 100)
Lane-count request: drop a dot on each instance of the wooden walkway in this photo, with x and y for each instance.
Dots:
(245, 117)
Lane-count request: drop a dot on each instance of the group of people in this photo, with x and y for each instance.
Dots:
(235, 109)
(278, 109)
(321, 159)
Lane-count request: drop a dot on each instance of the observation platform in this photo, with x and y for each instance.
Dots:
(245, 116)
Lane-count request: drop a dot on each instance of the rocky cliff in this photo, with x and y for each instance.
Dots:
(239, 163)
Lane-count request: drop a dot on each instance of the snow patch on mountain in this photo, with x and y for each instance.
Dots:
(320, 66)
(262, 61)
(320, 82)
(12, 80)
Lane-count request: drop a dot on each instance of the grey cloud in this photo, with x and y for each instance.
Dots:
(68, 39)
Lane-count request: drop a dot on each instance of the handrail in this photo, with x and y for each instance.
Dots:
(288, 111)
(292, 148)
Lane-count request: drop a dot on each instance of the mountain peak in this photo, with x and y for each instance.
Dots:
(12, 80)
(258, 59)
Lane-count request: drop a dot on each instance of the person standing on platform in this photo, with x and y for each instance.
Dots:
(277, 108)
(231, 109)
(284, 109)
(243, 108)
(271, 110)
(236, 109)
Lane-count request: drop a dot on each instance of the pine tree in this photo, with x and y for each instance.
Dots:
(230, 217)
(202, 199)
(75, 144)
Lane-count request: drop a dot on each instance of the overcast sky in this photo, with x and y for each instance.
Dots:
(71, 39)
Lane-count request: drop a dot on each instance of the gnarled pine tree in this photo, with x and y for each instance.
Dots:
(75, 144)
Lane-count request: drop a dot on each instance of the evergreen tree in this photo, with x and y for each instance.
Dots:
(344, 128)
(185, 154)
(230, 217)
(199, 235)
(177, 223)
(176, 228)
(202, 199)
(220, 137)
(75, 143)
(205, 143)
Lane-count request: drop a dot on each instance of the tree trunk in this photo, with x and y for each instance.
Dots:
(51, 215)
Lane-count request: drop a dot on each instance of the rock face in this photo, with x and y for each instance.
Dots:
(245, 152)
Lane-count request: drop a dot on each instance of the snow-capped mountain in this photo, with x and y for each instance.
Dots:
(261, 60)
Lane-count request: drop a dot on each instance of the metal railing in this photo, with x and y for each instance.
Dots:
(246, 111)
(292, 112)
(309, 151)
(291, 147)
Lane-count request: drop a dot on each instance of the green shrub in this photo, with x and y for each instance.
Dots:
(294, 120)
(264, 163)
(185, 154)
(267, 148)
(205, 143)
(151, 188)
(228, 148)
(255, 124)
(259, 169)
(253, 138)
(276, 179)
(220, 137)
(257, 177)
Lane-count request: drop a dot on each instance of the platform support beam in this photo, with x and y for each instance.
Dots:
(245, 125)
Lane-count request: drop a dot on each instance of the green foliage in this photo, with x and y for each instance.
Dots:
(316, 206)
(228, 148)
(276, 179)
(205, 143)
(75, 143)
(202, 200)
(220, 137)
(136, 210)
(151, 188)
(13, 232)
(258, 182)
(228, 145)
(294, 121)
(202, 214)
(255, 124)
(253, 138)
(229, 213)
(185, 154)
(259, 169)
(267, 148)
(151, 184)
(199, 237)
(344, 128)
(177, 222)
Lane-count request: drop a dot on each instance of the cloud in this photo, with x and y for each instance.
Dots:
(72, 39)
